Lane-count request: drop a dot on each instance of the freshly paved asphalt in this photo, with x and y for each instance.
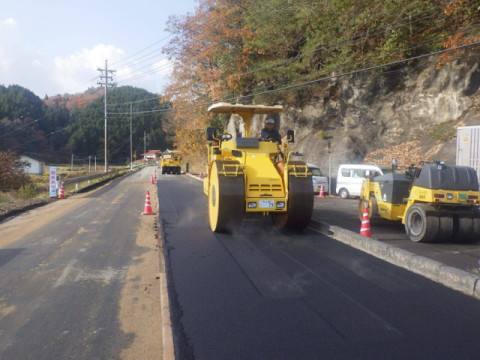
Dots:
(340, 212)
(262, 294)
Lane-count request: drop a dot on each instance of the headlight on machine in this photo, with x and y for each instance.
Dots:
(449, 196)
(280, 204)
(252, 205)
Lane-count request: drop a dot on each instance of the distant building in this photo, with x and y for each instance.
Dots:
(36, 167)
(152, 155)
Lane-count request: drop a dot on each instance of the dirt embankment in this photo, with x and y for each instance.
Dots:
(141, 302)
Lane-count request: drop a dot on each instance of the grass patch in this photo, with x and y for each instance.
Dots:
(31, 191)
(38, 190)
(444, 132)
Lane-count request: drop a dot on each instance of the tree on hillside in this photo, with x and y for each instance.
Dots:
(235, 50)
(12, 171)
(209, 51)
(149, 114)
(21, 114)
(17, 102)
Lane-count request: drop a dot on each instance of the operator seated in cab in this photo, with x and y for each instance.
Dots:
(269, 133)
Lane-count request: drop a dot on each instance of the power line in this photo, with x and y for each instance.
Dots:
(118, 62)
(24, 126)
(327, 78)
(400, 51)
(136, 61)
(361, 37)
(154, 70)
(40, 137)
(135, 102)
(353, 39)
(206, 24)
(281, 89)
(138, 74)
(408, 20)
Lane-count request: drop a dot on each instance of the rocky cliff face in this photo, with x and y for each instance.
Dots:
(419, 106)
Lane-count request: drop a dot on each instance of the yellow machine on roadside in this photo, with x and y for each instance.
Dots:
(248, 175)
(170, 162)
(436, 203)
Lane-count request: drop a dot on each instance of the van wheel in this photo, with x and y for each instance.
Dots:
(343, 193)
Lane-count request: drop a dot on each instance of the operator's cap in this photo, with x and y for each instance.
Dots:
(270, 121)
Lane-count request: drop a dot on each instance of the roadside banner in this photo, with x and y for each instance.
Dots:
(53, 181)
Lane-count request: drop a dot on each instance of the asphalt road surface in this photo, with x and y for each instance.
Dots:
(262, 294)
(64, 272)
(344, 213)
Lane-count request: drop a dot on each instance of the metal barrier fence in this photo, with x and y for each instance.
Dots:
(78, 181)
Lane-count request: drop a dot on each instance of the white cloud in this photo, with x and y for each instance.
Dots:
(10, 22)
(75, 72)
(24, 64)
(152, 77)
(163, 67)
(13, 53)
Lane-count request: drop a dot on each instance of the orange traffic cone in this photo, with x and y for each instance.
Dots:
(60, 192)
(365, 228)
(321, 193)
(151, 180)
(148, 206)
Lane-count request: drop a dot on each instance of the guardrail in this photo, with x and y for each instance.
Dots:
(83, 178)
(82, 182)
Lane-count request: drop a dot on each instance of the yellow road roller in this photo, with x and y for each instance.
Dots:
(170, 162)
(250, 175)
(436, 203)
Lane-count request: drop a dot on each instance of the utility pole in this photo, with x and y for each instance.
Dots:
(131, 150)
(71, 169)
(329, 145)
(105, 77)
(144, 146)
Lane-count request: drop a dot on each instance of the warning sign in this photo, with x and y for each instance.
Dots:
(53, 181)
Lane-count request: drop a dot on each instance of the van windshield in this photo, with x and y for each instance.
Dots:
(316, 172)
(358, 173)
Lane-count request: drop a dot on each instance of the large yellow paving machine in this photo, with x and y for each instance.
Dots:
(436, 203)
(170, 162)
(247, 175)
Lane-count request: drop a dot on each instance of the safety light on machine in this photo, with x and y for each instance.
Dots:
(252, 205)
(280, 204)
(449, 196)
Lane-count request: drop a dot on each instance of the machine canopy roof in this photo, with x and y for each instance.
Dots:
(226, 108)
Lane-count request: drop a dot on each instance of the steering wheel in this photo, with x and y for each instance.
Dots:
(226, 136)
(268, 138)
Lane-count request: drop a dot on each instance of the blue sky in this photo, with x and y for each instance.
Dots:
(54, 47)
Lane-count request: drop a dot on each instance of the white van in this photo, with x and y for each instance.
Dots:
(318, 179)
(350, 178)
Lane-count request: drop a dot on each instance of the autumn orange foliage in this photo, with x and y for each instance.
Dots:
(204, 67)
(452, 42)
(74, 101)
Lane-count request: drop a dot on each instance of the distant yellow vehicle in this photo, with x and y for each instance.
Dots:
(170, 162)
(436, 203)
(247, 175)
